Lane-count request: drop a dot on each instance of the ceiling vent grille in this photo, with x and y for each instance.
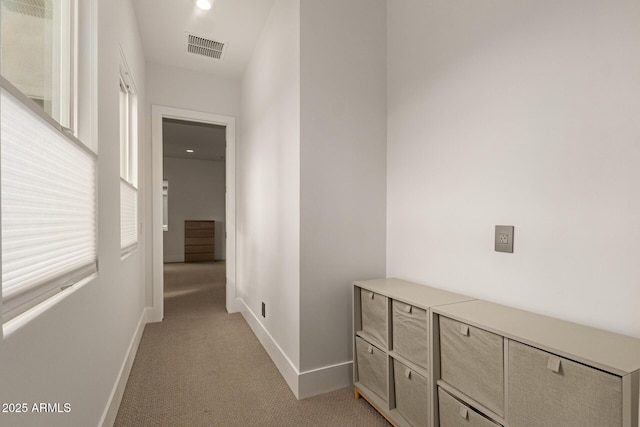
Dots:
(205, 47)
(36, 8)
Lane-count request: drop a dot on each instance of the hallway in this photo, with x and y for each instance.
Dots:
(204, 367)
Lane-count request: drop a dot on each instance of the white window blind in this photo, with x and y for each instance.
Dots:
(128, 216)
(48, 208)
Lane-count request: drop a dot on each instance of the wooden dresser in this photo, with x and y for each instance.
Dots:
(199, 241)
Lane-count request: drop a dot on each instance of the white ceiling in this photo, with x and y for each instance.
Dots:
(206, 140)
(163, 25)
(237, 23)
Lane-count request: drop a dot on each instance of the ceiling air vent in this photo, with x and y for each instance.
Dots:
(203, 46)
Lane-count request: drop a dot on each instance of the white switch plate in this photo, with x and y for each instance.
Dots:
(504, 238)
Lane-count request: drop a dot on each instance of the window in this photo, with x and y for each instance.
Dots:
(128, 162)
(47, 180)
(47, 176)
(36, 53)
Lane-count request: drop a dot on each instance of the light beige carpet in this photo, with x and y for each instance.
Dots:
(204, 367)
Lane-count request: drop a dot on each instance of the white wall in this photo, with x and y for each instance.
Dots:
(196, 192)
(520, 113)
(342, 169)
(311, 198)
(190, 90)
(73, 352)
(268, 187)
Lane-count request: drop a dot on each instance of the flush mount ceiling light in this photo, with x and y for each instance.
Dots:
(204, 4)
(189, 151)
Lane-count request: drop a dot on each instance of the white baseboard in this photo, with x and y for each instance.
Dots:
(111, 410)
(168, 258)
(149, 315)
(282, 362)
(305, 384)
(325, 379)
(154, 314)
(234, 306)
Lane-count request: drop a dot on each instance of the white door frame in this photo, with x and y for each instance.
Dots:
(159, 112)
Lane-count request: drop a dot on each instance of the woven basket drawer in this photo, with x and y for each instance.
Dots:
(372, 367)
(454, 413)
(471, 360)
(410, 336)
(547, 390)
(374, 317)
(412, 395)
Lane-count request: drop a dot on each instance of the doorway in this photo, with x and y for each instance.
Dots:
(159, 115)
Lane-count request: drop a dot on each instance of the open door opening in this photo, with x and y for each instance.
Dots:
(193, 223)
(193, 163)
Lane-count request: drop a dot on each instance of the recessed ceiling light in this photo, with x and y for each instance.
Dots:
(204, 4)
(189, 151)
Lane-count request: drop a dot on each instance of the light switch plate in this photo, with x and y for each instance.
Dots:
(504, 238)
